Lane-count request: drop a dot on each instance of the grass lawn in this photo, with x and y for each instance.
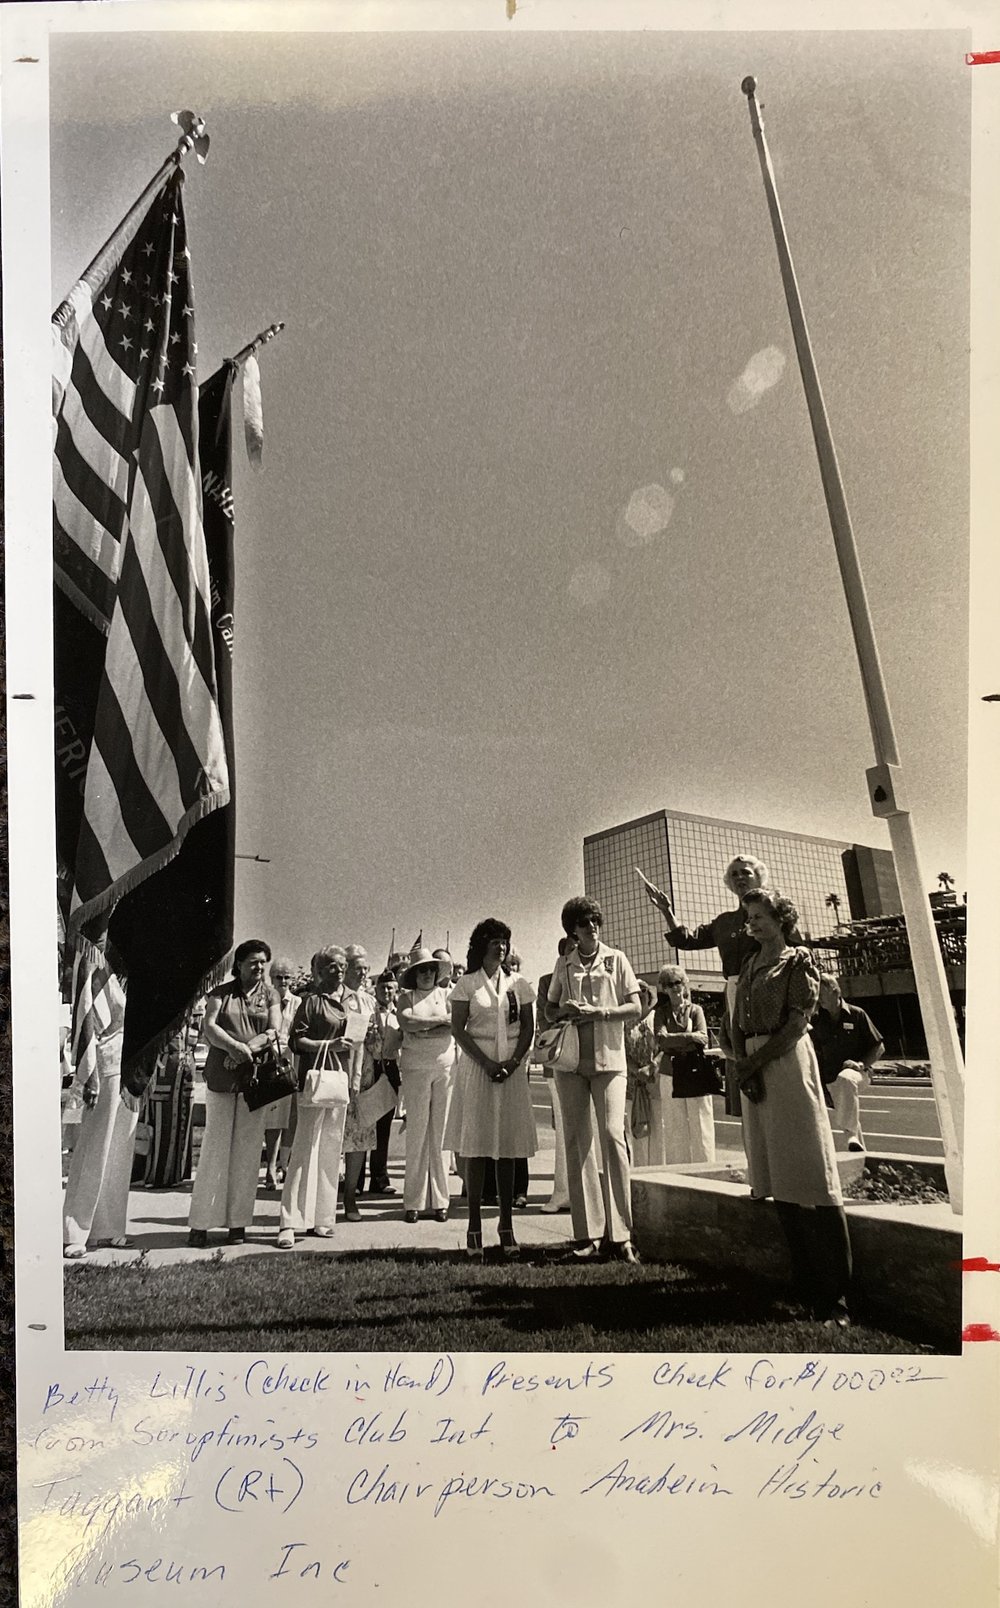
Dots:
(434, 1301)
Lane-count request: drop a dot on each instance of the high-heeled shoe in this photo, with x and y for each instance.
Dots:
(508, 1244)
(474, 1247)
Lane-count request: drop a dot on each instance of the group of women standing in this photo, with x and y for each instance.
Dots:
(459, 1051)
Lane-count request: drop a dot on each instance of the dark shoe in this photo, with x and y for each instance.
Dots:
(625, 1252)
(411, 1217)
(351, 1213)
(381, 1188)
(520, 1201)
(198, 1238)
(441, 1215)
(237, 1236)
(839, 1320)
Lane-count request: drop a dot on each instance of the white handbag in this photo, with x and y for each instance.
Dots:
(325, 1082)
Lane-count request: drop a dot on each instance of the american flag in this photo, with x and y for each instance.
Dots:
(139, 741)
(98, 1006)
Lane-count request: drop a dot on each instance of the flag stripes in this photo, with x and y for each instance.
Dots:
(91, 1013)
(130, 556)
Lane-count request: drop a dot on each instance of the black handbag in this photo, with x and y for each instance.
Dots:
(272, 1077)
(695, 1073)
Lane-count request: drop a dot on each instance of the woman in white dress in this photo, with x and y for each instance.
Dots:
(492, 1019)
(426, 1057)
(687, 1079)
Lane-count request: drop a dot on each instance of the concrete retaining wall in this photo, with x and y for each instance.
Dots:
(905, 1257)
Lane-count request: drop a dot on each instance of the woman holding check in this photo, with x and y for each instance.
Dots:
(595, 988)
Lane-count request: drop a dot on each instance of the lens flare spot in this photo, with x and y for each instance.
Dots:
(589, 583)
(761, 374)
(647, 515)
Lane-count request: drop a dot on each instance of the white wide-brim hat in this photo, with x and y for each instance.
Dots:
(416, 960)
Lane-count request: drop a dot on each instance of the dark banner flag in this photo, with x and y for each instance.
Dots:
(171, 934)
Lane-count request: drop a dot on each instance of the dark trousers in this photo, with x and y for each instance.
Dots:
(379, 1157)
(819, 1247)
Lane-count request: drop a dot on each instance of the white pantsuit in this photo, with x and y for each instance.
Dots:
(600, 1205)
(427, 1093)
(100, 1169)
(688, 1125)
(225, 1185)
(309, 1196)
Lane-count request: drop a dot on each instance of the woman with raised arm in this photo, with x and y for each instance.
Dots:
(786, 1130)
(493, 1023)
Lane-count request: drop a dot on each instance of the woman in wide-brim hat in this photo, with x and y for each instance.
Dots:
(426, 1058)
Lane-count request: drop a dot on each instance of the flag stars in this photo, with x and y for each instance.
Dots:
(125, 343)
(106, 302)
(125, 309)
(143, 353)
(175, 337)
(172, 277)
(149, 326)
(126, 276)
(188, 370)
(159, 385)
(147, 249)
(189, 311)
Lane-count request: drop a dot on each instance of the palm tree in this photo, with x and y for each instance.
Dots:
(833, 903)
(946, 880)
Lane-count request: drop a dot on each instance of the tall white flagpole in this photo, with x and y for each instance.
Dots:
(885, 778)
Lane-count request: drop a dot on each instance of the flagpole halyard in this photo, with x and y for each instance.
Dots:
(885, 779)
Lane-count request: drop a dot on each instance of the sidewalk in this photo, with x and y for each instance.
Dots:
(157, 1219)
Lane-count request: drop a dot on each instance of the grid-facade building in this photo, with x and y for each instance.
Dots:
(686, 855)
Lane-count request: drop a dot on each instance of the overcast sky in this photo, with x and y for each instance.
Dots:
(525, 278)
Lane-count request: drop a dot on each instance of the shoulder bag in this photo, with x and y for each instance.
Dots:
(272, 1077)
(557, 1048)
(324, 1083)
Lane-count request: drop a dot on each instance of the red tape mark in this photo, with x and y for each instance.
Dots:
(981, 58)
(977, 1264)
(979, 1331)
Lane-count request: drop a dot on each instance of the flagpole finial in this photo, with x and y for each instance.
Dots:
(749, 86)
(193, 136)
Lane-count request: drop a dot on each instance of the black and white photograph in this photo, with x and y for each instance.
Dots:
(511, 560)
